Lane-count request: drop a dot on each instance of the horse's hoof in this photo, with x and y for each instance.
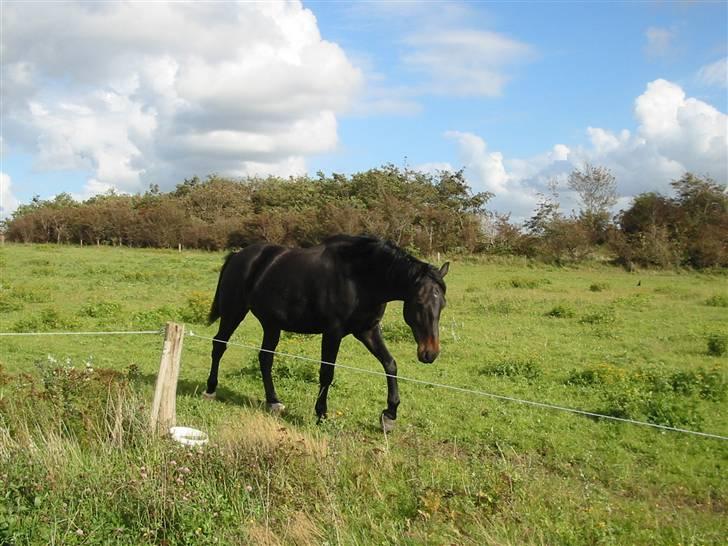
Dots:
(209, 395)
(276, 408)
(387, 424)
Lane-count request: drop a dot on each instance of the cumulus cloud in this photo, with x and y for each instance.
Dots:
(141, 93)
(8, 202)
(715, 73)
(674, 134)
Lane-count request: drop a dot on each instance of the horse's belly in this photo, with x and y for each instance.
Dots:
(300, 319)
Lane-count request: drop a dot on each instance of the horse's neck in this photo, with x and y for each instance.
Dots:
(390, 278)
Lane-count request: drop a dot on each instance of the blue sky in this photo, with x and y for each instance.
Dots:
(517, 93)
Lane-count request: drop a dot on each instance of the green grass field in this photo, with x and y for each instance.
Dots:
(77, 466)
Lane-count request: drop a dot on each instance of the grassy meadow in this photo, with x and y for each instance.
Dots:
(77, 466)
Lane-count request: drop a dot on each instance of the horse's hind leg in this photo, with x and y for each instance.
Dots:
(228, 324)
(271, 336)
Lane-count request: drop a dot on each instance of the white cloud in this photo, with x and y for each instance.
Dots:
(141, 93)
(442, 50)
(715, 73)
(8, 202)
(674, 134)
(464, 62)
(659, 42)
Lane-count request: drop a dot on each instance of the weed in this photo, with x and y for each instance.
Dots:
(503, 307)
(100, 309)
(708, 384)
(605, 315)
(601, 374)
(717, 300)
(396, 331)
(561, 311)
(523, 282)
(598, 287)
(31, 294)
(528, 368)
(8, 304)
(48, 319)
(153, 318)
(135, 276)
(631, 402)
(717, 344)
(197, 308)
(306, 372)
(637, 302)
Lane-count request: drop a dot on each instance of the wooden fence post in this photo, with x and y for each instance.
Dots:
(163, 405)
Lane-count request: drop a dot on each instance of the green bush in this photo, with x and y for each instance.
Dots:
(598, 287)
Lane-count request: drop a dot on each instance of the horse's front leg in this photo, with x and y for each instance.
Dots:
(271, 336)
(372, 340)
(329, 350)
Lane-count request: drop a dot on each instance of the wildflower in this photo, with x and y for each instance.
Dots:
(79, 532)
(249, 488)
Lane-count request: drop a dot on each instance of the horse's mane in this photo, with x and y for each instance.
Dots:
(373, 250)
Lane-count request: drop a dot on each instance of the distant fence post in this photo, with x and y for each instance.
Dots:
(163, 405)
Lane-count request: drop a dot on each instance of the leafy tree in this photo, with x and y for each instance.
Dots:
(597, 191)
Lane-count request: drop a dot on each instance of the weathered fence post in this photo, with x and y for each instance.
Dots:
(163, 405)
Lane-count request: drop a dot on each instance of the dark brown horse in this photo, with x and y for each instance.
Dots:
(337, 288)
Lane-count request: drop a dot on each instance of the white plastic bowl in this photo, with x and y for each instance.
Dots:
(188, 436)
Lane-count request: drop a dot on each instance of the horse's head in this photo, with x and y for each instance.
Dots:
(422, 309)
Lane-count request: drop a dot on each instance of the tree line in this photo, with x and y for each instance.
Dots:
(423, 212)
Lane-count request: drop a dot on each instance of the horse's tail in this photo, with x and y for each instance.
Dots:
(215, 307)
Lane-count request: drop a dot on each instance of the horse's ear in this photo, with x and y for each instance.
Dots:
(444, 269)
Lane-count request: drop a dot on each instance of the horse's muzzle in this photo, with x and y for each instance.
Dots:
(427, 352)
